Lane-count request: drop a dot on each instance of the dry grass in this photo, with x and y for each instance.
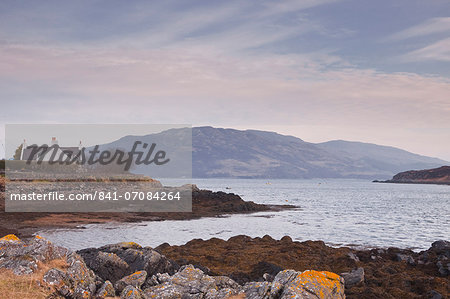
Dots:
(27, 286)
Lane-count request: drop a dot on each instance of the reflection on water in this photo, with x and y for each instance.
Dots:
(339, 212)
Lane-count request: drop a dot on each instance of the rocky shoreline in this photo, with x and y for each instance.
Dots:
(134, 272)
(205, 203)
(241, 267)
(374, 273)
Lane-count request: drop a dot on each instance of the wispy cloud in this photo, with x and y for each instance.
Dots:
(432, 26)
(438, 51)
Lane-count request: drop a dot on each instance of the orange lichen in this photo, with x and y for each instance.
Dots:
(11, 238)
(136, 273)
(130, 244)
(317, 282)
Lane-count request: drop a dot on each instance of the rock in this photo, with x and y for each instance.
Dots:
(353, 256)
(136, 280)
(20, 265)
(441, 247)
(151, 281)
(353, 278)
(434, 295)
(268, 277)
(192, 281)
(126, 258)
(22, 258)
(107, 265)
(443, 268)
(130, 292)
(280, 280)
(106, 290)
(256, 290)
(406, 258)
(424, 258)
(10, 239)
(82, 279)
(262, 268)
(307, 284)
(55, 277)
(58, 279)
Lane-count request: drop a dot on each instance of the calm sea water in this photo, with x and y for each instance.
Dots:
(340, 212)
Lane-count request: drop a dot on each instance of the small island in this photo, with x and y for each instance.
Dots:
(439, 176)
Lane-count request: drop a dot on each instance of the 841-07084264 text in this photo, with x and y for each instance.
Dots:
(98, 195)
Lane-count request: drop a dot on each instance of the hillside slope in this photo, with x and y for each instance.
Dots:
(218, 152)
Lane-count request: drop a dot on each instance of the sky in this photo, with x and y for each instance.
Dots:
(361, 70)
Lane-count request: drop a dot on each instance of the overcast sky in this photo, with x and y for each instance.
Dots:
(364, 70)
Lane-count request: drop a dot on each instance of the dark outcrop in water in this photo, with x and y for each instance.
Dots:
(440, 176)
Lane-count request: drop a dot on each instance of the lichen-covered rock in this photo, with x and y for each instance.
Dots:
(190, 282)
(82, 280)
(130, 292)
(58, 279)
(136, 280)
(107, 265)
(10, 238)
(279, 282)
(126, 258)
(20, 265)
(354, 277)
(307, 284)
(55, 277)
(256, 290)
(106, 290)
(22, 257)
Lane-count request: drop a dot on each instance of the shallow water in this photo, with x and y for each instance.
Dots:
(340, 212)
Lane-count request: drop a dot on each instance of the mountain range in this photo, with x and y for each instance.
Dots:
(218, 152)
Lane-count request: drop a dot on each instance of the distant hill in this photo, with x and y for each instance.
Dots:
(234, 153)
(379, 159)
(439, 175)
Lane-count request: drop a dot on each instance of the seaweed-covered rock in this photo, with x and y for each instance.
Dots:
(441, 247)
(354, 277)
